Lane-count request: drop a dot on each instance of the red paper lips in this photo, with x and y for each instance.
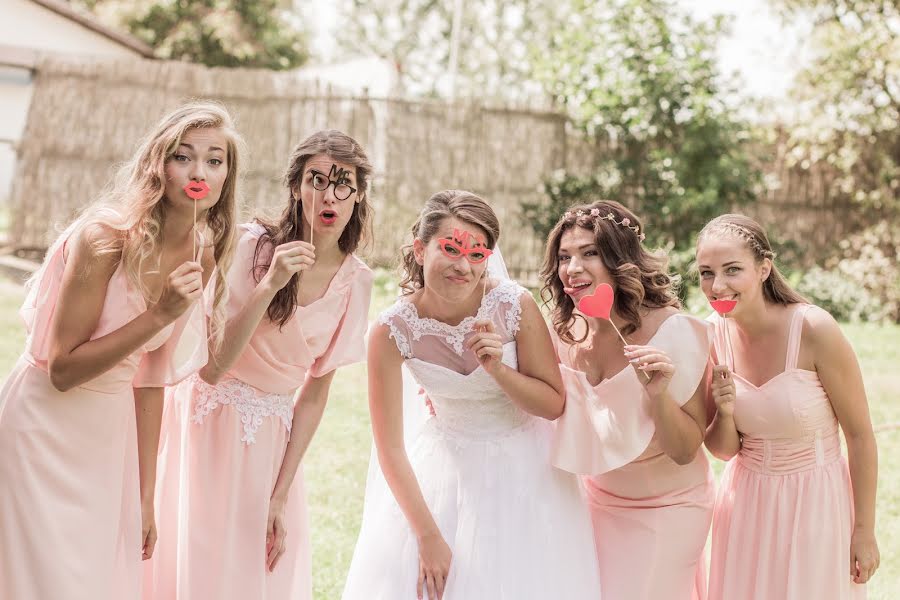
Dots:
(723, 306)
(599, 304)
(196, 190)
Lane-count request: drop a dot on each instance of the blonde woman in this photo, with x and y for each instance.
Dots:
(80, 412)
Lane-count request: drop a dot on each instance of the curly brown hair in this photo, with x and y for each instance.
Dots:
(640, 278)
(289, 227)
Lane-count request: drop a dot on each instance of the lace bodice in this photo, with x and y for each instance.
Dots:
(466, 399)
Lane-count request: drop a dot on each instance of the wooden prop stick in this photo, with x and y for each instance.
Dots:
(196, 191)
(723, 307)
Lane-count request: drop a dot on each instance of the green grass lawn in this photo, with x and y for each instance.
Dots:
(335, 467)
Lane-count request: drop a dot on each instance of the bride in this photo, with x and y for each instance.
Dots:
(471, 508)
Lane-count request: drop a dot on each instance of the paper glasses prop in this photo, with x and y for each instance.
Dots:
(464, 244)
(337, 177)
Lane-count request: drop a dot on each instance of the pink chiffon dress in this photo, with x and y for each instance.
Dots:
(70, 509)
(784, 512)
(651, 516)
(222, 446)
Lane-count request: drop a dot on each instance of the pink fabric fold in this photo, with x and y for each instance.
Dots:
(328, 333)
(183, 353)
(603, 427)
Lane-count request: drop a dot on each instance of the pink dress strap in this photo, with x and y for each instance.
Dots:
(793, 348)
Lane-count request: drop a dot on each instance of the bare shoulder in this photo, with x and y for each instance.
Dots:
(381, 346)
(821, 332)
(818, 323)
(655, 317)
(528, 304)
(94, 250)
(380, 335)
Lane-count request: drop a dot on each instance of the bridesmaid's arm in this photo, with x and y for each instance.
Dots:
(839, 372)
(148, 405)
(307, 415)
(679, 429)
(74, 358)
(536, 386)
(722, 437)
(287, 260)
(308, 412)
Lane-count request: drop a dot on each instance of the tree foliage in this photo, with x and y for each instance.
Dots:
(416, 36)
(225, 33)
(849, 96)
(640, 78)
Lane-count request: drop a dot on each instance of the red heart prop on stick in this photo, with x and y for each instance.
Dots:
(599, 303)
(723, 307)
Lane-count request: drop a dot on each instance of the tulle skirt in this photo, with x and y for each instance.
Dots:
(518, 528)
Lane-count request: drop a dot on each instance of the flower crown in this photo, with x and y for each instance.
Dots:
(595, 212)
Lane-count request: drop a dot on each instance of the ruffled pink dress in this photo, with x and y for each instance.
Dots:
(651, 516)
(784, 512)
(222, 447)
(70, 510)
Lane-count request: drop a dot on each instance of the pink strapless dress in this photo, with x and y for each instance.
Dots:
(784, 512)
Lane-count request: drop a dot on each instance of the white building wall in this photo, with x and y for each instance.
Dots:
(27, 25)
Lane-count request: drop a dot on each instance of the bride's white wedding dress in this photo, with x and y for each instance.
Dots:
(518, 528)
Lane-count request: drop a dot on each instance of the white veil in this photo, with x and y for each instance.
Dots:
(415, 414)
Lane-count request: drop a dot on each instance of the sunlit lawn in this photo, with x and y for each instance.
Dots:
(338, 458)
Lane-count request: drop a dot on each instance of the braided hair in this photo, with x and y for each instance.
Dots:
(775, 288)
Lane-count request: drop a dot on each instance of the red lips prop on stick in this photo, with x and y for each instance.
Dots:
(599, 305)
(195, 190)
(723, 307)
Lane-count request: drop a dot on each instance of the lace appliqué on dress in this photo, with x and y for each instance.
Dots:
(242, 397)
(507, 292)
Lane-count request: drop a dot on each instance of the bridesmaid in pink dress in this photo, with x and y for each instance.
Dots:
(634, 417)
(111, 318)
(231, 503)
(790, 521)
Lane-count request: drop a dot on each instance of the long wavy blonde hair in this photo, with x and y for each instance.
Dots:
(133, 203)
